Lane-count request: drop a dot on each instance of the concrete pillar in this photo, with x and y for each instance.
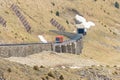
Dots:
(60, 48)
(57, 49)
(69, 48)
(63, 47)
(53, 47)
(66, 48)
(79, 46)
(73, 47)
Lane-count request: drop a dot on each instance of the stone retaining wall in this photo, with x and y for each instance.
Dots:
(23, 50)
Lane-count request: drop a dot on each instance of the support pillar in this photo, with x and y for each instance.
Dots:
(63, 47)
(57, 49)
(73, 47)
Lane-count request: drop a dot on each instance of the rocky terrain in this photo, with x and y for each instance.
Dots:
(56, 70)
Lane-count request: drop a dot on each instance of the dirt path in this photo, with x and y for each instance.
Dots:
(52, 59)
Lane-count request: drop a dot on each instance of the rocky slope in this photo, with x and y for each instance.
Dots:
(15, 71)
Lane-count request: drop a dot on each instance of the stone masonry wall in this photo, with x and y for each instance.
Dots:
(23, 50)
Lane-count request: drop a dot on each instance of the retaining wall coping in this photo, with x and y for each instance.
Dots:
(22, 44)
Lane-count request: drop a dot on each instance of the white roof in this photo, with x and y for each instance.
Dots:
(80, 26)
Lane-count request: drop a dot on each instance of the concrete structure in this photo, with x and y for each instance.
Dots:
(22, 50)
(72, 46)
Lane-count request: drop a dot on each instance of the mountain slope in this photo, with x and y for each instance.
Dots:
(101, 41)
(15, 71)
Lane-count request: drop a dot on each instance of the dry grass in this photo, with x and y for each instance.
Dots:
(102, 42)
(101, 39)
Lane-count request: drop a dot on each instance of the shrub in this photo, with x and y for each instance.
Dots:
(51, 74)
(115, 73)
(57, 13)
(12, 32)
(91, 58)
(9, 70)
(104, 11)
(105, 25)
(18, 2)
(61, 77)
(15, 37)
(36, 68)
(53, 3)
(116, 5)
(115, 66)
(67, 22)
(114, 33)
(107, 66)
(42, 66)
(92, 66)
(47, 77)
(51, 11)
(16, 34)
(6, 12)
(102, 23)
(43, 78)
(23, 39)
(110, 30)
(108, 13)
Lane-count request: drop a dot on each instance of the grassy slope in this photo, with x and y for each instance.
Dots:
(101, 42)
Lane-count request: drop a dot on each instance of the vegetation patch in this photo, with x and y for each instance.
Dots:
(61, 77)
(53, 3)
(57, 13)
(9, 70)
(67, 21)
(116, 4)
(36, 68)
(51, 74)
